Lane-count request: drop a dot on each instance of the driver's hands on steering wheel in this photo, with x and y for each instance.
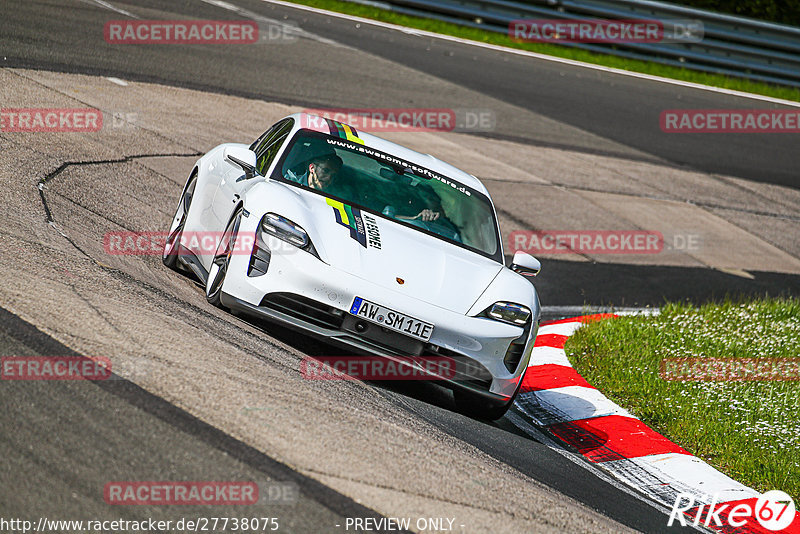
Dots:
(427, 215)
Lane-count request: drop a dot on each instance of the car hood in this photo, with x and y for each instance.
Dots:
(394, 256)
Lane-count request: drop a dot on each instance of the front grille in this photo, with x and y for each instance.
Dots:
(259, 259)
(514, 355)
(468, 372)
(517, 348)
(304, 309)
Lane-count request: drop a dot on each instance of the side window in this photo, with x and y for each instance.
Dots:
(266, 136)
(270, 143)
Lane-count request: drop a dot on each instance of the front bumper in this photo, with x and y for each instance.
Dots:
(296, 274)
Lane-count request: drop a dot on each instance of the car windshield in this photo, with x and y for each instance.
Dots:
(399, 190)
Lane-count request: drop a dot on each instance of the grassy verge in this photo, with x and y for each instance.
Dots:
(484, 36)
(750, 430)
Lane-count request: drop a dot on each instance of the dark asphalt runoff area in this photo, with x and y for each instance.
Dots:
(63, 441)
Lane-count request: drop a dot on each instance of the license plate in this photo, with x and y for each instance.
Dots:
(388, 318)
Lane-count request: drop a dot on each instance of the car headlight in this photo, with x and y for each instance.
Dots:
(508, 312)
(285, 230)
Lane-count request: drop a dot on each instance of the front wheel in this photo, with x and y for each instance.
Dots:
(172, 247)
(222, 258)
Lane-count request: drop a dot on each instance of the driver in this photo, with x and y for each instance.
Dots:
(320, 174)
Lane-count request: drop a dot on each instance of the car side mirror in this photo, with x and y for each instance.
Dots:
(525, 264)
(244, 158)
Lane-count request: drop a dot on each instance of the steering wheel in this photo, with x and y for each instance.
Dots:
(440, 226)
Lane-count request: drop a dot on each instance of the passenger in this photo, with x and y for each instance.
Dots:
(474, 223)
(424, 215)
(426, 197)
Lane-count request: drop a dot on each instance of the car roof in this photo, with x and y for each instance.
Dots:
(317, 123)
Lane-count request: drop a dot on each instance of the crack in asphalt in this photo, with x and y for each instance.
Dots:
(126, 277)
(61, 168)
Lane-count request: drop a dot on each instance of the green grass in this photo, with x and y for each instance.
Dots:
(750, 430)
(485, 36)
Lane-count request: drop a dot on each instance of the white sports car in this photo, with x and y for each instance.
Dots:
(366, 244)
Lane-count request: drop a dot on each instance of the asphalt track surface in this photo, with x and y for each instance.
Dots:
(71, 456)
(615, 116)
(569, 107)
(622, 111)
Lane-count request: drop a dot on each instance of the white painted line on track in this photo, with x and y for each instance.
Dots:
(107, 5)
(117, 81)
(526, 53)
(288, 28)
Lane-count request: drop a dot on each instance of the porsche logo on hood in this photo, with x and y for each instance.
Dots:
(400, 281)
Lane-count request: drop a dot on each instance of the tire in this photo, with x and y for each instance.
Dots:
(222, 258)
(479, 407)
(169, 256)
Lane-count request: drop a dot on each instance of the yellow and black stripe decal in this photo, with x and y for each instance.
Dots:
(343, 131)
(350, 218)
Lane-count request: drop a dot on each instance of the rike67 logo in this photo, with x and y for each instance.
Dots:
(774, 511)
